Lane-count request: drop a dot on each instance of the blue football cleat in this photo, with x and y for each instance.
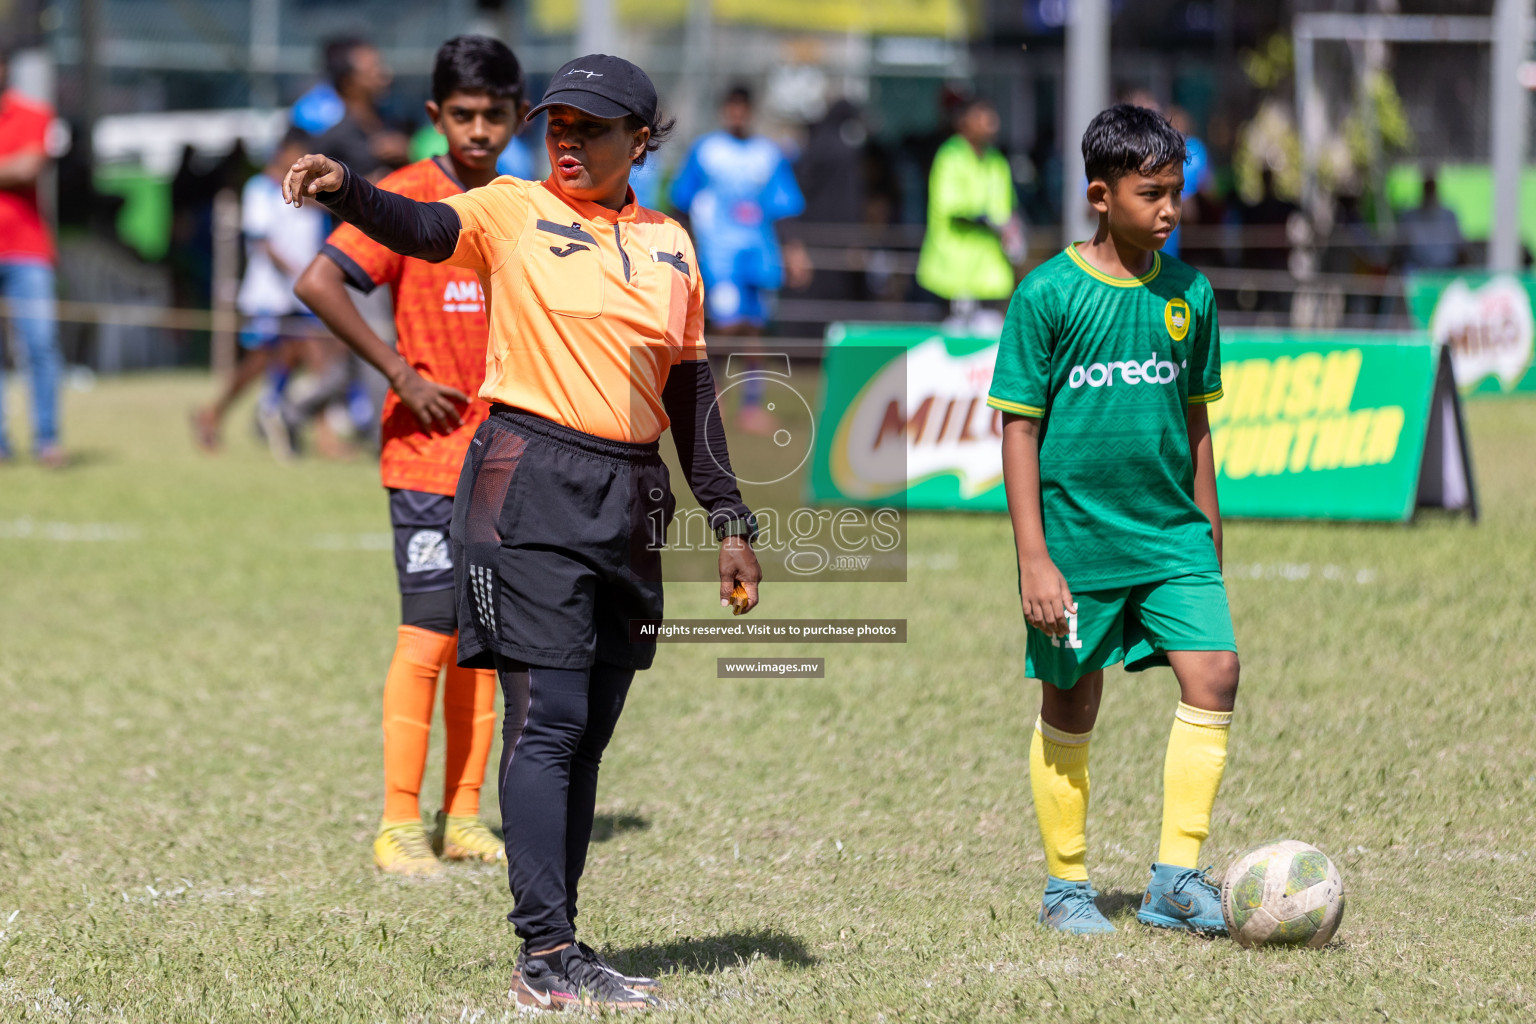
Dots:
(1069, 907)
(1184, 899)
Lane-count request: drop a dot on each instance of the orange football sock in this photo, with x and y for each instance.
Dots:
(409, 691)
(469, 712)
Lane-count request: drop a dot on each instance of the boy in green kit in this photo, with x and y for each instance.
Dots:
(1109, 356)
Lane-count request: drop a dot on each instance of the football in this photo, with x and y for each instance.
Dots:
(1286, 893)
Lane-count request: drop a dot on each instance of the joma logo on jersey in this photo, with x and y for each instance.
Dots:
(463, 297)
(1098, 375)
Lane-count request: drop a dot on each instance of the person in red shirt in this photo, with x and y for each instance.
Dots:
(26, 263)
(428, 422)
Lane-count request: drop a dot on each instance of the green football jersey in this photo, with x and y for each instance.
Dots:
(1109, 365)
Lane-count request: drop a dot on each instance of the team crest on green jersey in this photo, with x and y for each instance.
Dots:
(1176, 318)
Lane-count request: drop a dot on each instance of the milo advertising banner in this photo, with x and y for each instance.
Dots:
(1486, 321)
(904, 420)
(1337, 426)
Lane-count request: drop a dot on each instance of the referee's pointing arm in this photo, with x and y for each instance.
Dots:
(426, 231)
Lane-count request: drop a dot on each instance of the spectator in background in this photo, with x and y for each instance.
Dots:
(975, 236)
(830, 173)
(1354, 248)
(279, 244)
(362, 139)
(1430, 234)
(318, 110)
(368, 143)
(26, 264)
(734, 186)
(1266, 242)
(199, 178)
(646, 181)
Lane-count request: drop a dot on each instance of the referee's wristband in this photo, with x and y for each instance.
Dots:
(744, 527)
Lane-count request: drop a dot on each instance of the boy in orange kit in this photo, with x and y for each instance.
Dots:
(428, 422)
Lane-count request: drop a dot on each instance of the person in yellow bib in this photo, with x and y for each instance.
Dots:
(596, 348)
(975, 236)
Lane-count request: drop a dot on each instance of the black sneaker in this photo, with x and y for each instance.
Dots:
(537, 986)
(632, 981)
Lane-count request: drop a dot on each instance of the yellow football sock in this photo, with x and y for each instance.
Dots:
(1058, 774)
(1197, 755)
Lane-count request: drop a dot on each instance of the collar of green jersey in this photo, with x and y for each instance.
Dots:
(1118, 282)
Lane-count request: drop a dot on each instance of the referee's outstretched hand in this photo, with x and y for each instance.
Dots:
(310, 174)
(738, 564)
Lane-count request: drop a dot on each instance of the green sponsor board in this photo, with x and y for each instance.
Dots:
(1337, 426)
(1486, 322)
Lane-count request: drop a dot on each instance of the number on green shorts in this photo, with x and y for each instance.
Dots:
(1071, 641)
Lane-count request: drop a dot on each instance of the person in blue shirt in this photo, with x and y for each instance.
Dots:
(734, 186)
(1197, 166)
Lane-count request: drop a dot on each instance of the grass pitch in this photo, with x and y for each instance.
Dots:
(191, 655)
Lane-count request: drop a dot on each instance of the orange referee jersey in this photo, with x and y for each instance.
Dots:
(590, 307)
(440, 322)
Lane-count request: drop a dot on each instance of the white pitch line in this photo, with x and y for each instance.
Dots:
(353, 542)
(26, 528)
(1299, 572)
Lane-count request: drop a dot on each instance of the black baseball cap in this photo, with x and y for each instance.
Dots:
(602, 86)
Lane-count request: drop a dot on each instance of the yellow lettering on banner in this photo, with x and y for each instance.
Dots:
(1354, 437)
(1279, 381)
(1386, 428)
(1306, 433)
(1242, 451)
(1340, 372)
(1291, 414)
(1277, 448)
(1328, 453)
(1248, 402)
(1301, 397)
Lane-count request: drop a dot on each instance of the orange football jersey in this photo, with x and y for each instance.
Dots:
(440, 322)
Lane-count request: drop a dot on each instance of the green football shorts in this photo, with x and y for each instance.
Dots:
(1137, 625)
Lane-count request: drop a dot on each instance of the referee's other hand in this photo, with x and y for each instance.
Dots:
(311, 174)
(738, 564)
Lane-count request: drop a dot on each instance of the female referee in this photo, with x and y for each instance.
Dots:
(596, 345)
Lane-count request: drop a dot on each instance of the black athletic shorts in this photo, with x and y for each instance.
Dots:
(423, 560)
(553, 546)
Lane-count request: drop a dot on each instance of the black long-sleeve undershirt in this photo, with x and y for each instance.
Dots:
(699, 433)
(430, 231)
(425, 231)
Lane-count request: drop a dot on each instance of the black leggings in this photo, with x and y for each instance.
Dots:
(557, 723)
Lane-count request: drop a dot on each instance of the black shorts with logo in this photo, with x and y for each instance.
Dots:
(421, 521)
(556, 544)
